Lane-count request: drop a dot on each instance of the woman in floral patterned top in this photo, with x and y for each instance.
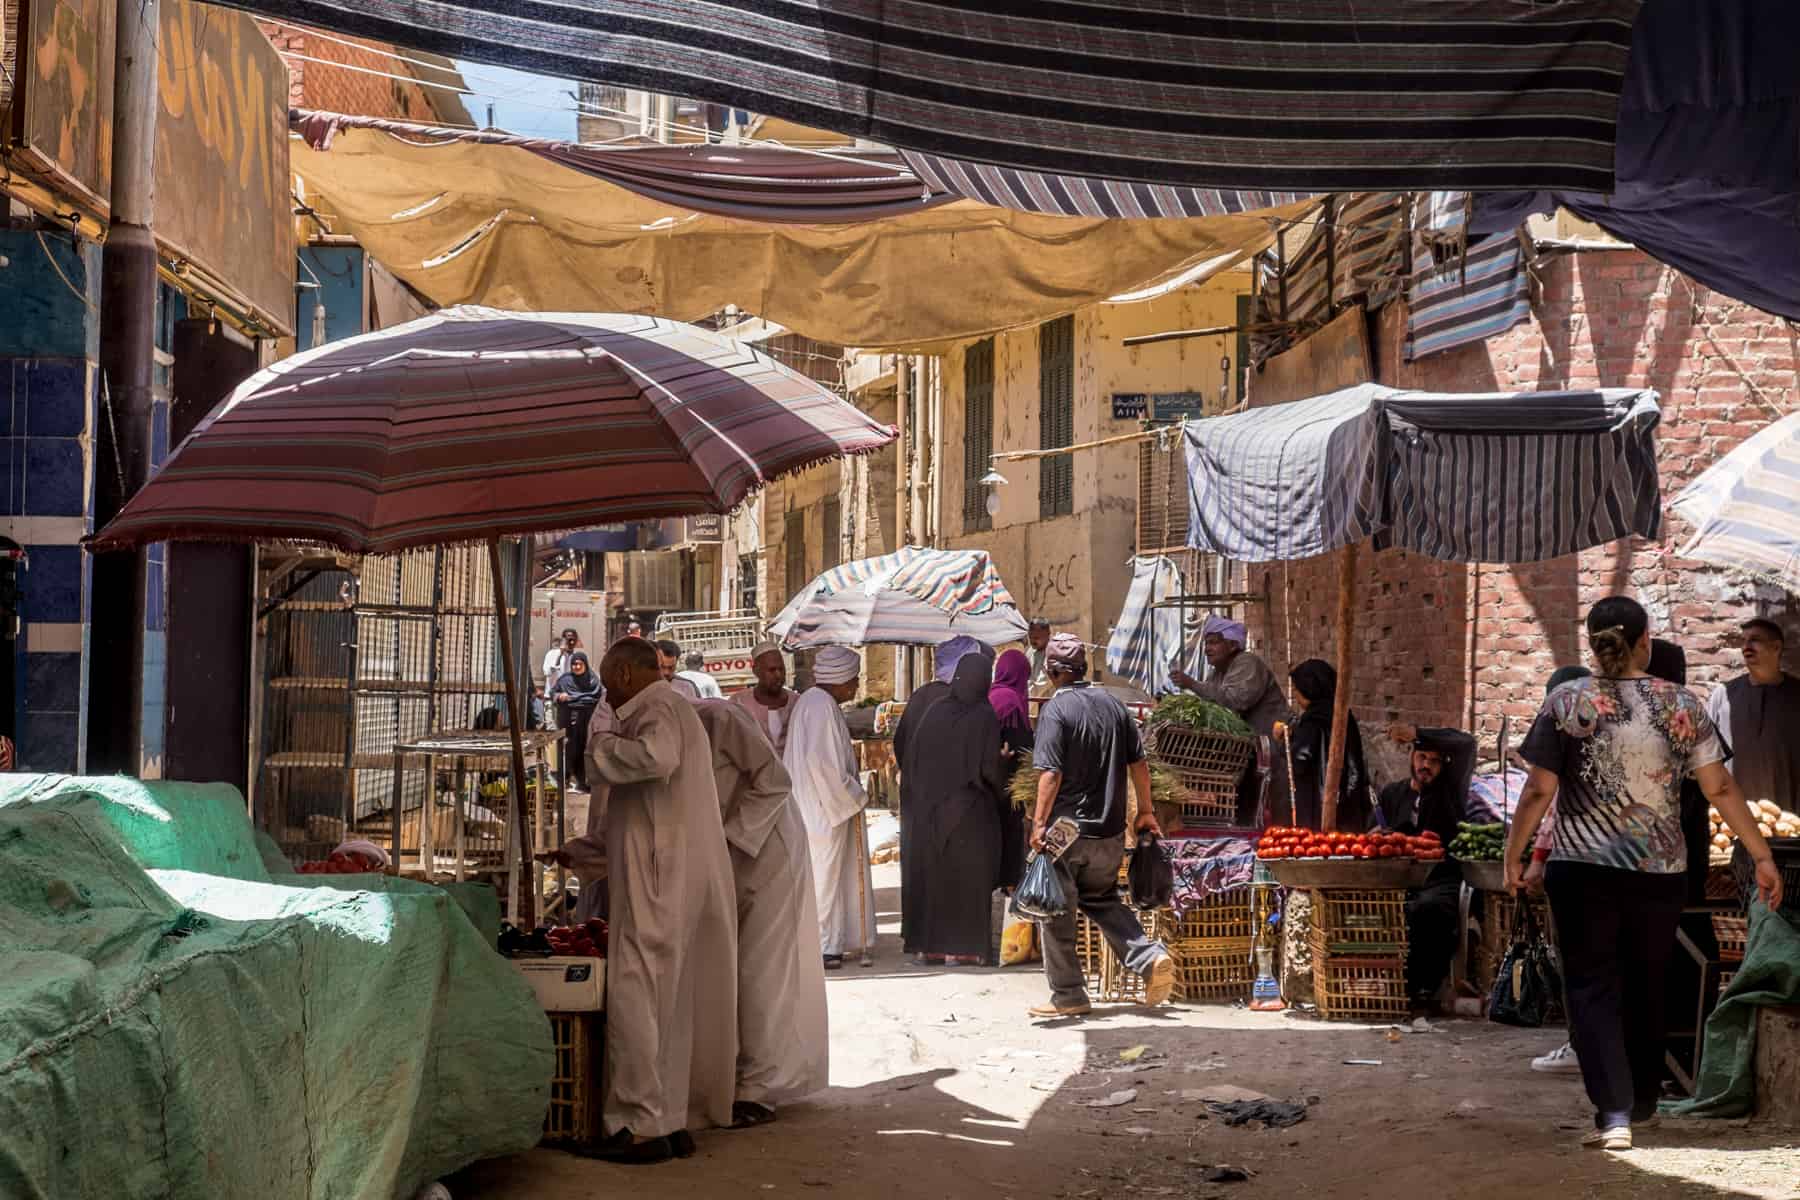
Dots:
(1613, 750)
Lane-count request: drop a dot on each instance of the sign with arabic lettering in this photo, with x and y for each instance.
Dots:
(223, 208)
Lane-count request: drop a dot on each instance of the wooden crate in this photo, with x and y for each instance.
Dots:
(1225, 915)
(1733, 934)
(1359, 988)
(1206, 801)
(575, 1100)
(1212, 971)
(1344, 918)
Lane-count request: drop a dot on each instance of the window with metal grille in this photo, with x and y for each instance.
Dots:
(793, 544)
(1056, 416)
(746, 581)
(833, 534)
(978, 433)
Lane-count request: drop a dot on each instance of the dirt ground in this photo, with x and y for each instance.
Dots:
(942, 1087)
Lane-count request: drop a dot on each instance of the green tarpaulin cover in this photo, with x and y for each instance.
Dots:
(179, 1017)
(1769, 974)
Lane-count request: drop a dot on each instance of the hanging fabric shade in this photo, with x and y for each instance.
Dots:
(1260, 94)
(1465, 478)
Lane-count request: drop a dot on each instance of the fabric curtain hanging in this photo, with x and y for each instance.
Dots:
(1259, 94)
(1146, 638)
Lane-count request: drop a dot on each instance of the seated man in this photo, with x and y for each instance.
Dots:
(1433, 796)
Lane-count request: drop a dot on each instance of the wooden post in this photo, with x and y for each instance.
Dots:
(517, 706)
(1346, 663)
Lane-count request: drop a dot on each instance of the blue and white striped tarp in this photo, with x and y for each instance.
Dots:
(1745, 508)
(1465, 478)
(1147, 638)
(1469, 299)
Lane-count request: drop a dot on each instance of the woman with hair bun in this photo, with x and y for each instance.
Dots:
(1613, 750)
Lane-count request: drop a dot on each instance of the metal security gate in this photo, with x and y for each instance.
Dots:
(361, 656)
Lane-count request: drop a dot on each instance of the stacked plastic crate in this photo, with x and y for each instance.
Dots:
(1358, 947)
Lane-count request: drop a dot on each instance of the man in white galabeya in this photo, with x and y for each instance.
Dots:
(671, 978)
(822, 762)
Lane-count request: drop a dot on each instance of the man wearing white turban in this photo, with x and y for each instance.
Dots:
(822, 763)
(1243, 683)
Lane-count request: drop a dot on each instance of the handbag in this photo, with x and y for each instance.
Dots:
(1528, 984)
(1150, 879)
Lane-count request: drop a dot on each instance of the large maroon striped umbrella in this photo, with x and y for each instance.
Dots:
(473, 423)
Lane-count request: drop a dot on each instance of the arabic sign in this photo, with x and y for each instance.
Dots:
(1129, 406)
(223, 210)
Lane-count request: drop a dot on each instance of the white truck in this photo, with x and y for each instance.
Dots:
(725, 639)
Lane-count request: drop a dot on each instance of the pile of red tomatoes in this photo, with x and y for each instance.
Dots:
(1281, 841)
(341, 863)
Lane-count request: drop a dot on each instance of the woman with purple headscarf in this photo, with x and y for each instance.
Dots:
(1010, 698)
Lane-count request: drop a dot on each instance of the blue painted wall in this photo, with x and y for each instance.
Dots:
(49, 342)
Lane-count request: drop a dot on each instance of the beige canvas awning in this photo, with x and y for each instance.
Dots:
(468, 223)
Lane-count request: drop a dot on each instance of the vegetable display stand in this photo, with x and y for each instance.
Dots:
(575, 1102)
(1358, 944)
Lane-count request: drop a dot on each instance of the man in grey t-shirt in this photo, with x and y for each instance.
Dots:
(1087, 746)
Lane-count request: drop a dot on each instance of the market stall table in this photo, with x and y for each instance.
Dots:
(483, 750)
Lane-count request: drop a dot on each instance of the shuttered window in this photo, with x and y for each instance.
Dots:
(978, 433)
(1056, 416)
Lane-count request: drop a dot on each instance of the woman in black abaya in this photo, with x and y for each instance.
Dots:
(1309, 743)
(954, 766)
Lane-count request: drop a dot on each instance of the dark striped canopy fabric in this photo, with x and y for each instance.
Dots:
(752, 183)
(1282, 95)
(1465, 478)
(474, 423)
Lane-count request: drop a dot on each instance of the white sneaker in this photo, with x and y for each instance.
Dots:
(1609, 1139)
(1560, 1061)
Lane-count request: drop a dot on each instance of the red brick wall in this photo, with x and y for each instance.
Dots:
(1437, 641)
(333, 89)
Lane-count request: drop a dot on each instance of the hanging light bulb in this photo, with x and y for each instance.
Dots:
(993, 503)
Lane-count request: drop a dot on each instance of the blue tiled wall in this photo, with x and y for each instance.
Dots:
(49, 338)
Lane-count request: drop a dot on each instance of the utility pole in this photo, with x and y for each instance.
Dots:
(117, 606)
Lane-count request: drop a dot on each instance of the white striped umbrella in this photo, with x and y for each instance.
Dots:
(913, 597)
(1745, 508)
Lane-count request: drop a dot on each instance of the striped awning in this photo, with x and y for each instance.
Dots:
(914, 597)
(1745, 508)
(1465, 478)
(1328, 95)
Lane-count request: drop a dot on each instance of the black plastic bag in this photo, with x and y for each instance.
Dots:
(1527, 985)
(1151, 878)
(1039, 896)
